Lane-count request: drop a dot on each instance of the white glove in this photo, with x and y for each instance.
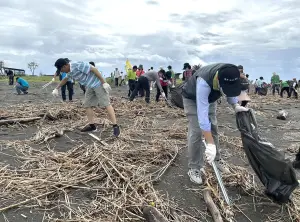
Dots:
(107, 87)
(150, 88)
(53, 80)
(173, 86)
(55, 92)
(163, 95)
(238, 108)
(210, 152)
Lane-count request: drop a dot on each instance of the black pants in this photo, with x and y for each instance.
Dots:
(82, 87)
(131, 84)
(69, 86)
(116, 81)
(275, 87)
(142, 84)
(287, 89)
(293, 92)
(158, 93)
(11, 80)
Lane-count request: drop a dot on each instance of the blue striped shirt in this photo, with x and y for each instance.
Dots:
(202, 92)
(81, 71)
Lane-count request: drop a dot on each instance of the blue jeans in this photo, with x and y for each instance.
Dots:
(20, 89)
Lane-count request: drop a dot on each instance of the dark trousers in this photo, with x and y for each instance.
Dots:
(131, 84)
(116, 81)
(158, 93)
(69, 86)
(287, 89)
(142, 84)
(122, 82)
(275, 87)
(293, 92)
(82, 87)
(10, 80)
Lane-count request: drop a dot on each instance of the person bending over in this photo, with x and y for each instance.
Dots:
(97, 93)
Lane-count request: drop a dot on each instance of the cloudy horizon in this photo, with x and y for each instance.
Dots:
(260, 35)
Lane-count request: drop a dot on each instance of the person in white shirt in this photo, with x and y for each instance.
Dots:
(123, 76)
(117, 76)
(294, 88)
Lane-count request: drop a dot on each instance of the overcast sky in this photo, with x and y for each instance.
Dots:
(263, 36)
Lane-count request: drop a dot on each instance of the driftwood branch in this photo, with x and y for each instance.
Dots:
(213, 209)
(18, 120)
(151, 214)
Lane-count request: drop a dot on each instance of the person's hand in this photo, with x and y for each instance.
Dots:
(106, 87)
(163, 95)
(55, 92)
(53, 79)
(173, 86)
(210, 152)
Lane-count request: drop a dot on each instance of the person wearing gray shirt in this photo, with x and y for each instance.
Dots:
(143, 83)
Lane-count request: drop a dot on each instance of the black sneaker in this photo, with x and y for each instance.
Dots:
(89, 128)
(116, 130)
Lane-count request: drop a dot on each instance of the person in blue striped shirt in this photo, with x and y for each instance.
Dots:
(97, 90)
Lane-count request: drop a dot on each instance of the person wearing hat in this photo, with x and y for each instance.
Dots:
(97, 90)
(68, 85)
(200, 94)
(188, 71)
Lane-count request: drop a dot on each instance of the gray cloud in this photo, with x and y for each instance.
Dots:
(151, 2)
(262, 36)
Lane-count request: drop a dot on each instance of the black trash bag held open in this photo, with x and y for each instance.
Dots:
(274, 171)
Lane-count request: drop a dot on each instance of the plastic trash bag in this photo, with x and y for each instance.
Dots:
(274, 171)
(176, 96)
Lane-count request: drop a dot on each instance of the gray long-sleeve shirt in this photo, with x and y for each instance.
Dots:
(153, 76)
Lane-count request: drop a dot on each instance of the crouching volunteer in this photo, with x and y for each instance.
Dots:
(164, 82)
(97, 92)
(143, 83)
(200, 94)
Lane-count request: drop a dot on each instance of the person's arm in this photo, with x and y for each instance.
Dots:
(158, 83)
(98, 74)
(202, 92)
(62, 82)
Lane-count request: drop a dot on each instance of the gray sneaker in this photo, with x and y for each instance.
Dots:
(195, 176)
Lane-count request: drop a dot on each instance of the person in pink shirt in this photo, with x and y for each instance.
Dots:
(140, 72)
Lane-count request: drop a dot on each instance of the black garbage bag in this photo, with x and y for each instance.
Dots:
(176, 96)
(263, 91)
(274, 171)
